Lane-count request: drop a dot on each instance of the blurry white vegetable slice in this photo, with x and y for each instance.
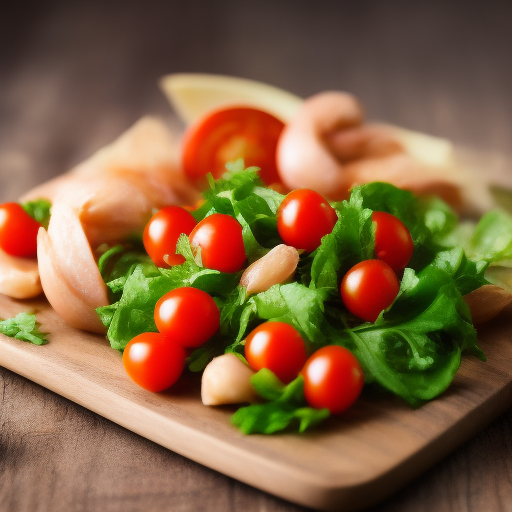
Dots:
(426, 149)
(194, 94)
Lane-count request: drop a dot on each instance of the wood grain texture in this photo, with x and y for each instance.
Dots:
(354, 461)
(74, 75)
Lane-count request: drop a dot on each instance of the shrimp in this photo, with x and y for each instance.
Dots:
(73, 304)
(327, 148)
(108, 197)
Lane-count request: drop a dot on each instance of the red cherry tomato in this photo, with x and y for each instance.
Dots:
(393, 242)
(368, 288)
(187, 315)
(222, 246)
(278, 347)
(162, 233)
(303, 218)
(333, 379)
(154, 361)
(226, 135)
(18, 231)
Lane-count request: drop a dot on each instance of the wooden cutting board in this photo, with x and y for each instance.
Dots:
(349, 463)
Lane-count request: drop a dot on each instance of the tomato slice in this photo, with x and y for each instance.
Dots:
(227, 135)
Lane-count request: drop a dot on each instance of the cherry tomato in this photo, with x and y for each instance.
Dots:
(278, 347)
(18, 231)
(303, 218)
(162, 233)
(333, 379)
(393, 242)
(187, 315)
(222, 246)
(368, 288)
(227, 135)
(154, 361)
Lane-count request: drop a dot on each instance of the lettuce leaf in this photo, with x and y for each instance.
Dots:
(117, 264)
(24, 327)
(492, 238)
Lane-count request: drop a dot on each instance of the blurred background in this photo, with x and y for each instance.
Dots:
(75, 74)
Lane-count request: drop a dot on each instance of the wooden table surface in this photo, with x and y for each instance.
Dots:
(74, 75)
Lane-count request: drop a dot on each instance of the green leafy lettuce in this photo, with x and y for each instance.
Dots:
(285, 407)
(413, 349)
(24, 327)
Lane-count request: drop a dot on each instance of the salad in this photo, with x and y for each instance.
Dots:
(282, 296)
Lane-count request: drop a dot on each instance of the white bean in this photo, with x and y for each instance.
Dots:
(274, 268)
(227, 380)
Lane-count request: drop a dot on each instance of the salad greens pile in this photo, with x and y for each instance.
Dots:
(413, 349)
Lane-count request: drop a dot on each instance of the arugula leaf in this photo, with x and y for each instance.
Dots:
(24, 327)
(40, 210)
(285, 409)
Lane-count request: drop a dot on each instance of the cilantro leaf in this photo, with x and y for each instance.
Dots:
(24, 327)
